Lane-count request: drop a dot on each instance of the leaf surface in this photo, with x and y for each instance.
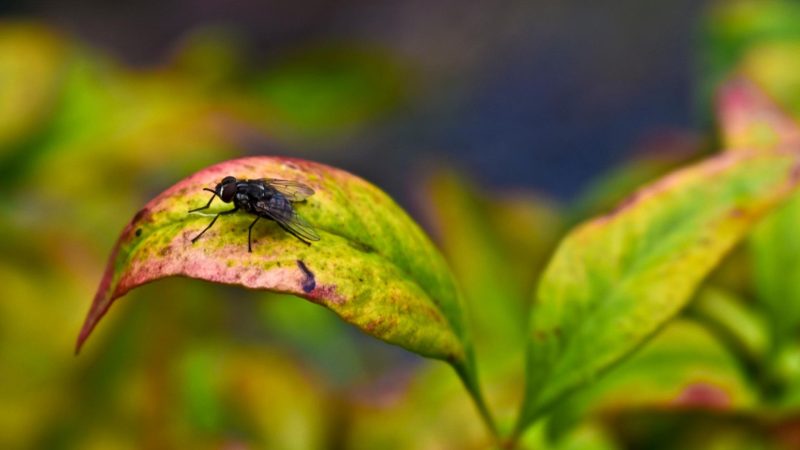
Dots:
(616, 279)
(683, 367)
(373, 267)
(749, 117)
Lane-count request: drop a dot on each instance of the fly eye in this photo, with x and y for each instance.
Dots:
(228, 180)
(226, 191)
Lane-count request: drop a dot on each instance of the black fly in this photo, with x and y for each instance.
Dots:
(265, 198)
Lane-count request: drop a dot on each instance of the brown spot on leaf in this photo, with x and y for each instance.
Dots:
(373, 324)
(326, 293)
(309, 282)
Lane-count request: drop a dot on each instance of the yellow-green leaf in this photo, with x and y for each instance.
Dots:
(616, 279)
(734, 320)
(683, 367)
(373, 266)
(496, 245)
(751, 120)
(749, 117)
(32, 62)
(654, 158)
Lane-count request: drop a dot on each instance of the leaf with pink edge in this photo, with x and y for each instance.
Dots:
(373, 266)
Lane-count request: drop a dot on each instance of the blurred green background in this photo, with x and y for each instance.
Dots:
(492, 123)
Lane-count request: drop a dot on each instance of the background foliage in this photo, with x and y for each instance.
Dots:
(86, 139)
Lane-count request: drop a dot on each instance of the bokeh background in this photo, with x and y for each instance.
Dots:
(521, 93)
(486, 120)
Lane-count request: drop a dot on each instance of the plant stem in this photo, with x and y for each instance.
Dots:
(467, 373)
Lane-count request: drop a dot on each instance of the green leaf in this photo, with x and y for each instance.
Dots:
(749, 118)
(587, 436)
(373, 267)
(496, 245)
(734, 320)
(683, 367)
(328, 92)
(758, 38)
(32, 62)
(656, 156)
(616, 279)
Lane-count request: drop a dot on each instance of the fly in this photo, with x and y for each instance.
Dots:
(264, 198)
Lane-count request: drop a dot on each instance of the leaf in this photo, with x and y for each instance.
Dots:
(373, 267)
(616, 279)
(32, 62)
(683, 367)
(328, 92)
(755, 37)
(655, 157)
(734, 320)
(495, 244)
(749, 117)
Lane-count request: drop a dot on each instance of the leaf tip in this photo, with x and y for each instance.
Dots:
(101, 302)
(750, 117)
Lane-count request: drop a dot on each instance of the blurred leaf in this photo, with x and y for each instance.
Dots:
(251, 397)
(787, 369)
(327, 92)
(495, 244)
(750, 119)
(757, 37)
(734, 320)
(32, 63)
(683, 367)
(323, 338)
(428, 405)
(655, 157)
(212, 56)
(586, 436)
(616, 279)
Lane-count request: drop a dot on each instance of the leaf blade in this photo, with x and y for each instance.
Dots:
(368, 241)
(616, 279)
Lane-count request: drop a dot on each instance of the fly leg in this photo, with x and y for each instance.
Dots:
(223, 213)
(207, 204)
(249, 232)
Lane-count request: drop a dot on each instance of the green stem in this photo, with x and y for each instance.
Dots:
(468, 375)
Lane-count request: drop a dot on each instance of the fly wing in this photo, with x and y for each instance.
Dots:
(293, 190)
(289, 220)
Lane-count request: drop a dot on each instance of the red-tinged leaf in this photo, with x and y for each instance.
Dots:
(749, 119)
(616, 279)
(373, 266)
